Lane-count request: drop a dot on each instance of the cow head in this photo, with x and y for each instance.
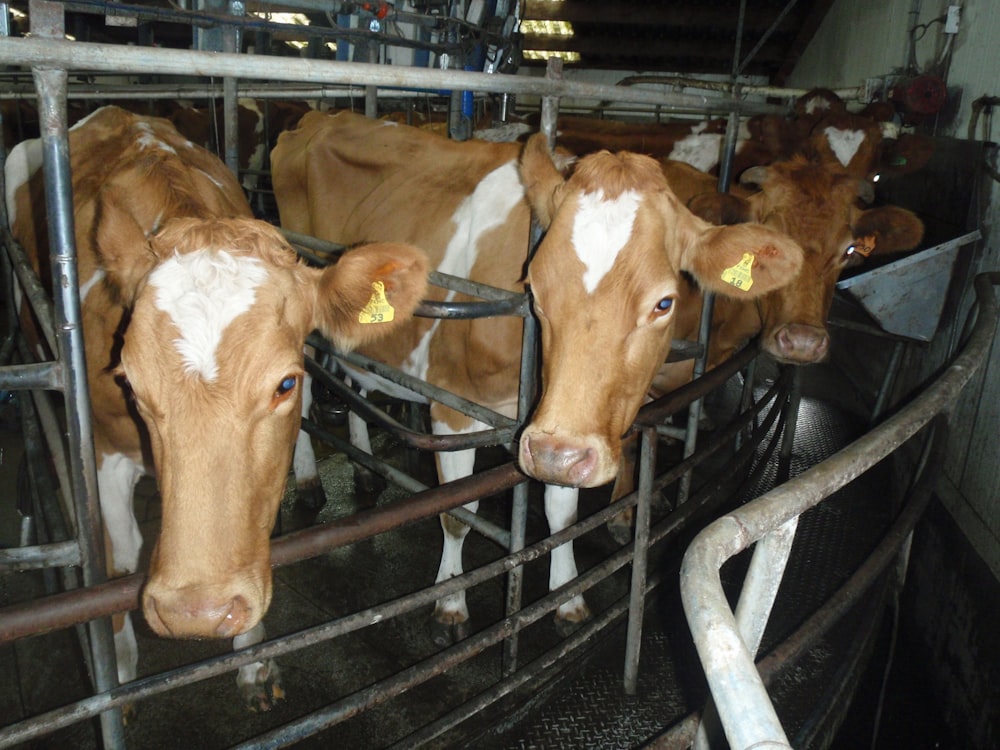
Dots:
(213, 354)
(605, 281)
(819, 208)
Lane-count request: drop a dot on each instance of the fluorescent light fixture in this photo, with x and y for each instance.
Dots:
(541, 27)
(541, 54)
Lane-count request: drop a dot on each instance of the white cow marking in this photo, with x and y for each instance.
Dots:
(91, 283)
(700, 150)
(203, 292)
(845, 143)
(601, 228)
(148, 139)
(24, 160)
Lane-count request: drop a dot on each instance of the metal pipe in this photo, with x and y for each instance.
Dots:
(119, 59)
(735, 682)
(648, 442)
(51, 85)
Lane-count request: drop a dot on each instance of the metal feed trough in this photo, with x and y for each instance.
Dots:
(906, 297)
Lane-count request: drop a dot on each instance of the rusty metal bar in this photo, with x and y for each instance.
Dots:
(648, 442)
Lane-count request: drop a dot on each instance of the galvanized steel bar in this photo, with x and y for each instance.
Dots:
(120, 59)
(51, 86)
(34, 292)
(648, 442)
(734, 680)
(32, 375)
(519, 507)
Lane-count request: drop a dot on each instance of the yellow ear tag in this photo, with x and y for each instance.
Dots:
(378, 309)
(739, 275)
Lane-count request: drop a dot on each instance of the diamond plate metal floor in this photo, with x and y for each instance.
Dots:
(587, 707)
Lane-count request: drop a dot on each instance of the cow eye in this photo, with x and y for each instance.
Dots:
(663, 306)
(286, 386)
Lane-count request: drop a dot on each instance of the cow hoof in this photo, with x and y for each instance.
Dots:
(267, 693)
(367, 482)
(571, 620)
(310, 496)
(445, 634)
(620, 530)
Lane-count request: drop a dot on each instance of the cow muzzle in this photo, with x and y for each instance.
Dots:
(202, 611)
(572, 462)
(799, 344)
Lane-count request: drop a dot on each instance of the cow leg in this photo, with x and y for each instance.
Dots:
(560, 512)
(260, 682)
(451, 613)
(116, 480)
(365, 480)
(308, 487)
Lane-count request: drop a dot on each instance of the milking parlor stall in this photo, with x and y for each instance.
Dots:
(496, 374)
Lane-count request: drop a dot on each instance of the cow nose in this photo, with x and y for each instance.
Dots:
(801, 344)
(193, 614)
(557, 461)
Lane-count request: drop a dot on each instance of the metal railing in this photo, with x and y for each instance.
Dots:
(99, 599)
(727, 641)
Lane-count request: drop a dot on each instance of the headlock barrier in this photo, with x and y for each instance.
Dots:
(727, 642)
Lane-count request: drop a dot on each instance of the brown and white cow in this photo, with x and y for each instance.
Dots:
(820, 127)
(194, 318)
(604, 279)
(820, 208)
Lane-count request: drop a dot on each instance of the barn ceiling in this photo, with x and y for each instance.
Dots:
(678, 36)
(682, 36)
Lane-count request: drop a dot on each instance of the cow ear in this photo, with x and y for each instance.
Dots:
(721, 208)
(745, 260)
(543, 182)
(370, 292)
(892, 228)
(125, 251)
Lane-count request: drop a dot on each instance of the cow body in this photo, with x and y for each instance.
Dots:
(194, 318)
(604, 281)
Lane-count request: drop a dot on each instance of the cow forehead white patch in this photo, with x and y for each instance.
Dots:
(203, 292)
(601, 228)
(845, 143)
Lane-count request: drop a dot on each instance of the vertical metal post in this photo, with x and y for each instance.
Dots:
(791, 420)
(648, 442)
(51, 85)
(888, 381)
(231, 42)
(371, 92)
(519, 508)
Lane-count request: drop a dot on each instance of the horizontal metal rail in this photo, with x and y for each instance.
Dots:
(746, 712)
(85, 56)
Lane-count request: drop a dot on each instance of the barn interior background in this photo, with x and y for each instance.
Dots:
(935, 61)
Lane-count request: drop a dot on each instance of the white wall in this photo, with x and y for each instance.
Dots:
(861, 39)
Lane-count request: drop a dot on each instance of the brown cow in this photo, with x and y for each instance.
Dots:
(819, 208)
(204, 311)
(604, 279)
(820, 127)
